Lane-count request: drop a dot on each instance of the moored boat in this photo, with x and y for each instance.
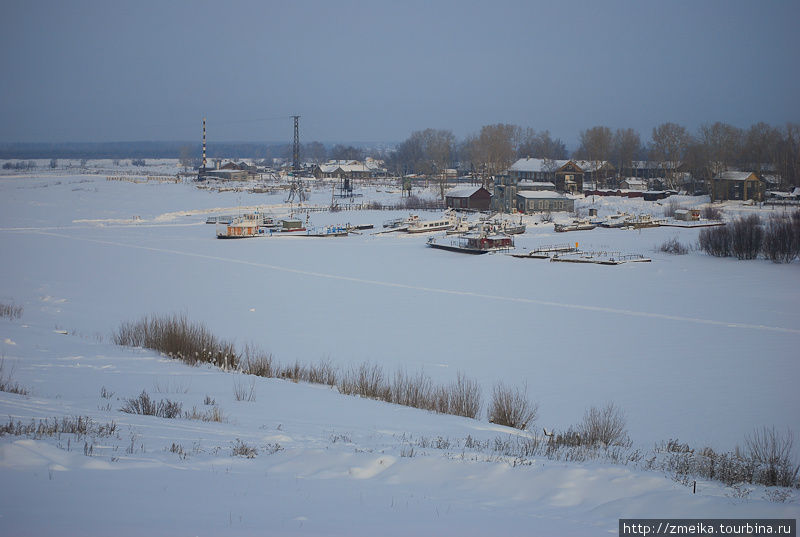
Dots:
(474, 243)
(576, 225)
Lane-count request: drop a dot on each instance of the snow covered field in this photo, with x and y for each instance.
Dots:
(690, 347)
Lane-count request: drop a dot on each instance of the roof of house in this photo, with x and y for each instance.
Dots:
(735, 176)
(655, 164)
(536, 165)
(462, 192)
(541, 194)
(632, 181)
(536, 185)
(590, 165)
(350, 166)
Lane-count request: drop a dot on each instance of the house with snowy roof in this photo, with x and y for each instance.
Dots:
(731, 185)
(632, 183)
(348, 169)
(531, 201)
(468, 197)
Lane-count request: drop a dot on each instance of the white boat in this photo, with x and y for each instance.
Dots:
(576, 225)
(400, 224)
(425, 226)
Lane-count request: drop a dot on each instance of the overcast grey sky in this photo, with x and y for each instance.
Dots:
(376, 71)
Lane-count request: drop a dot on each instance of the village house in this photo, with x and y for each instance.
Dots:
(631, 183)
(348, 169)
(530, 201)
(736, 186)
(468, 197)
(227, 175)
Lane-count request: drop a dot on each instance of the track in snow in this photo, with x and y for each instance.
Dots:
(582, 307)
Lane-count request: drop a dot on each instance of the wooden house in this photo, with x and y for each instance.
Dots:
(531, 201)
(631, 183)
(736, 186)
(468, 197)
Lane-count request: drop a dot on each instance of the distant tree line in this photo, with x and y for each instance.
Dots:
(715, 147)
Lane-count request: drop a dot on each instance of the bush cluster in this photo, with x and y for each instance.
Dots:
(176, 337)
(7, 382)
(767, 459)
(511, 407)
(149, 407)
(461, 397)
(77, 425)
(674, 246)
(747, 238)
(10, 311)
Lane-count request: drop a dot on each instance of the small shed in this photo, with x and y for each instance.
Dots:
(227, 175)
(687, 215)
(469, 197)
(530, 201)
(632, 183)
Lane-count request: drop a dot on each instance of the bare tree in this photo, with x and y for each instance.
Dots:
(315, 152)
(668, 146)
(723, 143)
(773, 452)
(341, 152)
(596, 146)
(540, 145)
(761, 142)
(494, 149)
(787, 157)
(626, 146)
(603, 426)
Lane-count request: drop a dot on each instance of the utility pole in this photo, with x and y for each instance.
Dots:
(296, 146)
(296, 189)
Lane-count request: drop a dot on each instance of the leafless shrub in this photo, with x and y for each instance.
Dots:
(212, 414)
(716, 241)
(176, 337)
(10, 311)
(465, 397)
(546, 217)
(674, 246)
(604, 426)
(7, 382)
(105, 393)
(149, 407)
(322, 372)
(778, 495)
(782, 238)
(76, 425)
(209, 400)
(412, 390)
(709, 212)
(240, 449)
(244, 391)
(773, 455)
(746, 237)
(511, 407)
(415, 202)
(178, 450)
(671, 207)
(256, 362)
(366, 380)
